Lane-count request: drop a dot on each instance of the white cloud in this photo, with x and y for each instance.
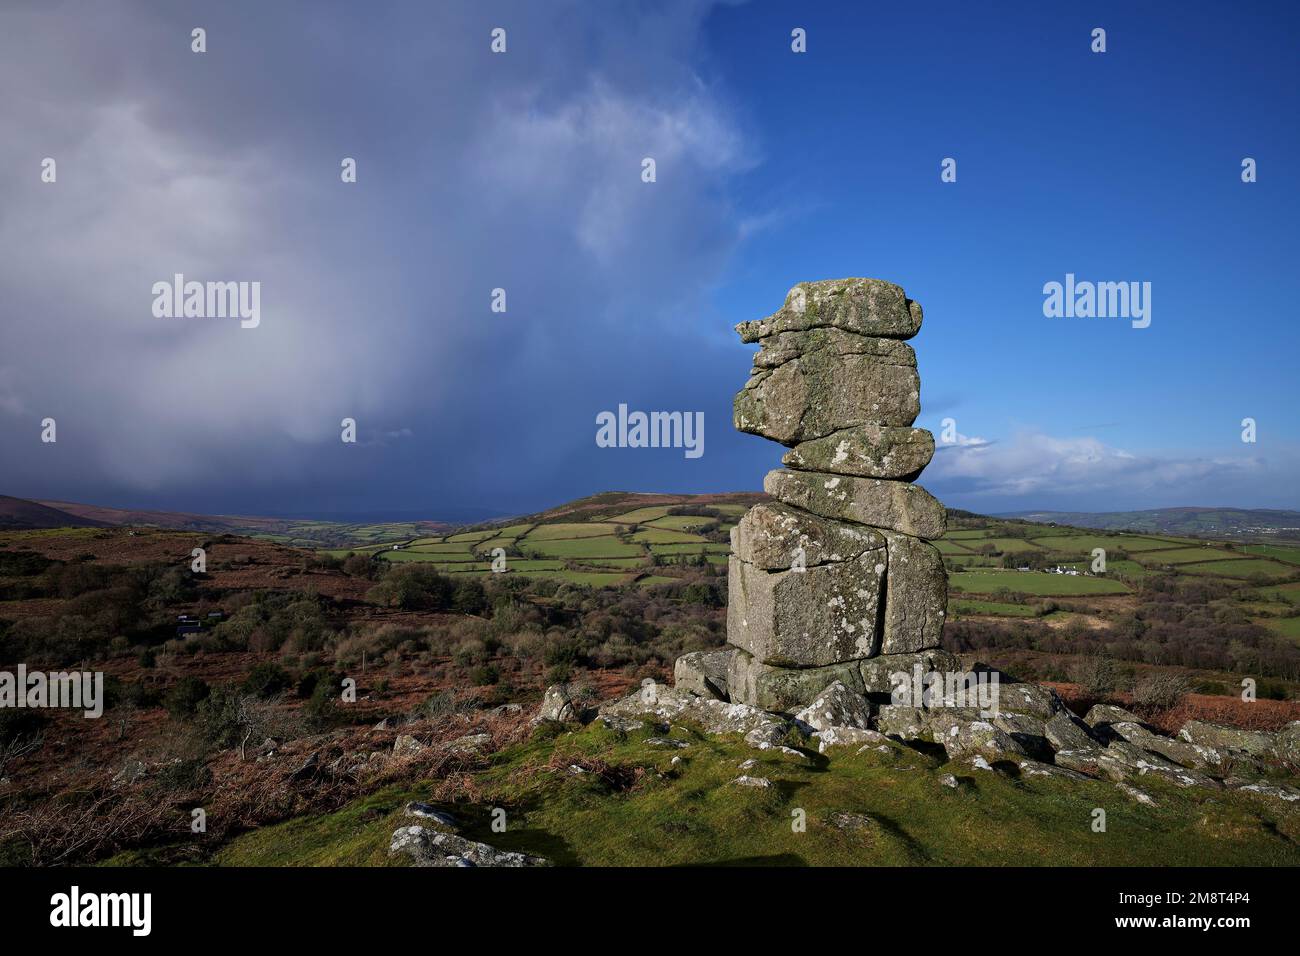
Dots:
(1034, 469)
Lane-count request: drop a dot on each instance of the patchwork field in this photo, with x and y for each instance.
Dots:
(597, 547)
(602, 541)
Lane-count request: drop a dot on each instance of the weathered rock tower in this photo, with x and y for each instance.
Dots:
(834, 580)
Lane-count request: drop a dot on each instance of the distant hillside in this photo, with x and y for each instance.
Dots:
(21, 513)
(1207, 522)
(609, 503)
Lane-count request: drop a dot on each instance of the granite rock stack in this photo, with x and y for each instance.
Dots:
(834, 579)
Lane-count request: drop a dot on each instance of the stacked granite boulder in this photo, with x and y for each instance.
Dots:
(834, 580)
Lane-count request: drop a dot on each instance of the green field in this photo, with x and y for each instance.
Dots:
(1241, 568)
(707, 547)
(958, 608)
(553, 532)
(949, 547)
(1281, 592)
(607, 547)
(650, 535)
(1286, 626)
(1186, 556)
(642, 514)
(1032, 582)
(1011, 545)
(1083, 543)
(1277, 552)
(440, 548)
(682, 522)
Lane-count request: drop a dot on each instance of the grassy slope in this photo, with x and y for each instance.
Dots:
(692, 815)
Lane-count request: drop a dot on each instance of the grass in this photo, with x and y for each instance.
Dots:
(1277, 552)
(1187, 556)
(999, 609)
(607, 547)
(653, 580)
(595, 579)
(707, 547)
(1011, 545)
(648, 812)
(1241, 568)
(949, 547)
(1084, 543)
(1286, 626)
(618, 562)
(664, 536)
(1281, 592)
(680, 522)
(563, 531)
(642, 514)
(1032, 582)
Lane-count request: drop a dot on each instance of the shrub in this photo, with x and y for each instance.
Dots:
(1162, 690)
(266, 680)
(1097, 676)
(183, 698)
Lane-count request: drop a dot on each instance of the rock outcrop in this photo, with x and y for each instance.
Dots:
(835, 590)
(837, 569)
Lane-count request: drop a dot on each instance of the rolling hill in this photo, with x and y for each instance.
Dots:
(21, 513)
(1209, 522)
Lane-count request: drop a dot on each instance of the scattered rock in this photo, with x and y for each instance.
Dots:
(405, 745)
(435, 848)
(470, 743)
(428, 811)
(1139, 796)
(1064, 731)
(557, 706)
(961, 736)
(1268, 789)
(131, 771)
(1286, 746)
(711, 716)
(836, 706)
(853, 822)
(703, 673)
(784, 689)
(1036, 768)
(1228, 741)
(847, 737)
(1032, 699)
(1100, 716)
(309, 768)
(748, 781)
(667, 742)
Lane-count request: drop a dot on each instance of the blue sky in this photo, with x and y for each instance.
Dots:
(522, 170)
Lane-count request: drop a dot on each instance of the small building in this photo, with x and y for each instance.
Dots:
(185, 630)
